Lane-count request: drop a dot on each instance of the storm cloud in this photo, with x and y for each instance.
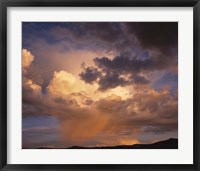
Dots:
(103, 83)
(162, 36)
(90, 74)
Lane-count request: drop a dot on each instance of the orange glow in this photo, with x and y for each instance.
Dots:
(85, 127)
(127, 141)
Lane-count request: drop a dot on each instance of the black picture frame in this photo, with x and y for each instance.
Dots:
(98, 3)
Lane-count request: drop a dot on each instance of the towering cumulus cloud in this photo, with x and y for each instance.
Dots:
(99, 84)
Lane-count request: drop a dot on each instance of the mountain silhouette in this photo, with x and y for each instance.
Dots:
(171, 143)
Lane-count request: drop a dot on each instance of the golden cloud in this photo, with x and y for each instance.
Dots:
(27, 59)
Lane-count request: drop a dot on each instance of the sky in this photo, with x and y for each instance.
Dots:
(99, 83)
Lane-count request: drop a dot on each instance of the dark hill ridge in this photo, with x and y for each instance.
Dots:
(171, 143)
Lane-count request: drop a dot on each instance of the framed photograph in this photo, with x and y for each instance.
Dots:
(101, 85)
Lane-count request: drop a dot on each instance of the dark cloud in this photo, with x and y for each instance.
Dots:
(111, 80)
(115, 68)
(121, 36)
(124, 64)
(90, 74)
(157, 35)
